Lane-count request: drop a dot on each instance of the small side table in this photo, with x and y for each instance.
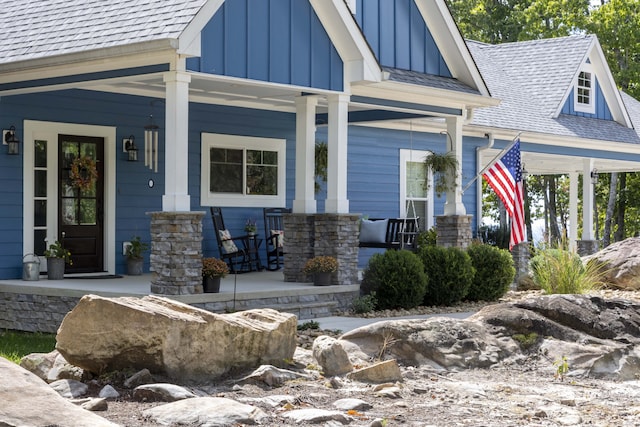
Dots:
(253, 243)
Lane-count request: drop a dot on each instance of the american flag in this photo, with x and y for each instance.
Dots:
(505, 177)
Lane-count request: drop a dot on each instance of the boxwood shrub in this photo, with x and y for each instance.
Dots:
(397, 278)
(494, 272)
(450, 274)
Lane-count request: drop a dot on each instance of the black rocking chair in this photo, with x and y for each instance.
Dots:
(274, 233)
(233, 250)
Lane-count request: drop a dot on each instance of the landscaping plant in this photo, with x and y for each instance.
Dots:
(397, 278)
(494, 272)
(559, 271)
(450, 274)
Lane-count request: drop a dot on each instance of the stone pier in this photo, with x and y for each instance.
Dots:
(454, 231)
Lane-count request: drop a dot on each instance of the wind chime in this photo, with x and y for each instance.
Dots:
(151, 143)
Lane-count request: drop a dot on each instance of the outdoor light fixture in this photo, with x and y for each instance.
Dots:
(11, 141)
(151, 145)
(132, 150)
(594, 176)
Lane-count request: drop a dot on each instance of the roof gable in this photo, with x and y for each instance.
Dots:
(57, 27)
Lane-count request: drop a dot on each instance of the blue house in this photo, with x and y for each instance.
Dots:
(225, 100)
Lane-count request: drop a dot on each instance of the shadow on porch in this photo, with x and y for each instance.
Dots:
(41, 305)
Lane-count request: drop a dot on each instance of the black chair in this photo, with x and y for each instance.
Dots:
(274, 236)
(233, 250)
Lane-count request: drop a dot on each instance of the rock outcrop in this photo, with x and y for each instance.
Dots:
(165, 336)
(620, 263)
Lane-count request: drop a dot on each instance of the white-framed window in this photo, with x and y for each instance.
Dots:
(415, 195)
(242, 171)
(584, 91)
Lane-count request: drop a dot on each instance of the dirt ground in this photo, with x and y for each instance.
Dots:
(524, 393)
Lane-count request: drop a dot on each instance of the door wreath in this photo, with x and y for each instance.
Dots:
(83, 173)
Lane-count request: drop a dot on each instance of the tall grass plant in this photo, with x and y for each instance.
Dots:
(559, 271)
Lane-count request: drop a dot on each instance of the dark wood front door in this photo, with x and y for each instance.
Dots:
(81, 201)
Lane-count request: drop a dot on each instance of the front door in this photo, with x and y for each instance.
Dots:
(81, 201)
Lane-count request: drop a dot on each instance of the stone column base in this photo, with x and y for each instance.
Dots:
(176, 253)
(521, 255)
(588, 247)
(454, 231)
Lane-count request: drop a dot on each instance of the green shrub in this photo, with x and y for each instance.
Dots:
(494, 272)
(365, 303)
(397, 278)
(450, 274)
(427, 238)
(557, 271)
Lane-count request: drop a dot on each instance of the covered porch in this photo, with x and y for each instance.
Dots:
(40, 306)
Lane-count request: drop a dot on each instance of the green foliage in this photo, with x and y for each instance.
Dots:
(450, 274)
(15, 345)
(427, 238)
(526, 341)
(558, 271)
(309, 324)
(136, 248)
(444, 168)
(397, 278)
(494, 272)
(321, 159)
(365, 303)
(562, 368)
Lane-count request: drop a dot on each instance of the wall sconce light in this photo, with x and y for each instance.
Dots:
(594, 176)
(11, 141)
(131, 149)
(151, 145)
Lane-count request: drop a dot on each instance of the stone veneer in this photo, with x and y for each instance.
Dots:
(521, 254)
(588, 247)
(454, 231)
(176, 253)
(321, 234)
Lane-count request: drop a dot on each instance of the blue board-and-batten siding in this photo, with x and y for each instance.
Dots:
(278, 41)
(602, 108)
(399, 37)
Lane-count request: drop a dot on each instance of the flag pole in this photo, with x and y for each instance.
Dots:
(504, 150)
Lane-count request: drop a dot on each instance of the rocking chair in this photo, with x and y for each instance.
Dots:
(274, 233)
(232, 249)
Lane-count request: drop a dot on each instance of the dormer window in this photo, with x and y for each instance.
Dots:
(585, 92)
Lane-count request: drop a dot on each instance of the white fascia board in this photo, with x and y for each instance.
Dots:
(360, 62)
(424, 95)
(452, 46)
(189, 41)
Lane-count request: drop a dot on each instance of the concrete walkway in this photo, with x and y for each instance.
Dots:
(346, 324)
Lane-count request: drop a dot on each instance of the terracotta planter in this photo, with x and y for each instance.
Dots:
(322, 279)
(55, 268)
(211, 285)
(135, 266)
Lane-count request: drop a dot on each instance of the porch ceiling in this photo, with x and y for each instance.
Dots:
(553, 164)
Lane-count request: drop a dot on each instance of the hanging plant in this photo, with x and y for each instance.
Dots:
(442, 166)
(321, 156)
(84, 173)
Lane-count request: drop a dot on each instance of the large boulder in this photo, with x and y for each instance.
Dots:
(105, 334)
(28, 401)
(620, 263)
(599, 337)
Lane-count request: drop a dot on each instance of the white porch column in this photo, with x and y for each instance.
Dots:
(304, 201)
(454, 205)
(337, 157)
(587, 201)
(573, 210)
(176, 197)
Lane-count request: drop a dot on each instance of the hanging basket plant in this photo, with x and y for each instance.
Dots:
(84, 173)
(444, 168)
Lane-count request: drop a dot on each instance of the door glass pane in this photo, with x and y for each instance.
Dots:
(69, 211)
(40, 183)
(88, 212)
(70, 150)
(39, 245)
(40, 160)
(40, 213)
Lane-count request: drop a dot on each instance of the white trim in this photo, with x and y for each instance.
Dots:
(581, 107)
(189, 39)
(49, 131)
(407, 156)
(242, 142)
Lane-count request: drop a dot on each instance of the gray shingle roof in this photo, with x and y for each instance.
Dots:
(42, 28)
(429, 80)
(531, 78)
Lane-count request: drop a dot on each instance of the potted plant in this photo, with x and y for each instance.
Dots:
(135, 260)
(250, 227)
(321, 267)
(213, 269)
(57, 256)
(442, 166)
